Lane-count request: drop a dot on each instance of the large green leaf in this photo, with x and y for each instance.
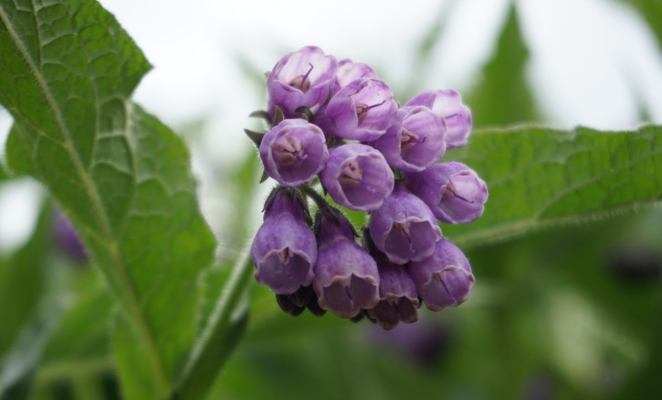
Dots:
(541, 177)
(67, 70)
(503, 96)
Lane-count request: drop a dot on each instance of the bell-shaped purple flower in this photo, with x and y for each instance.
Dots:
(357, 176)
(404, 228)
(362, 110)
(284, 249)
(303, 78)
(452, 190)
(398, 299)
(414, 141)
(295, 303)
(346, 277)
(68, 240)
(444, 279)
(293, 152)
(448, 105)
(349, 72)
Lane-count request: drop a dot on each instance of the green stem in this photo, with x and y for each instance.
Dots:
(219, 336)
(317, 198)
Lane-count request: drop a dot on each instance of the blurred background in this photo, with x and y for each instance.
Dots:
(566, 313)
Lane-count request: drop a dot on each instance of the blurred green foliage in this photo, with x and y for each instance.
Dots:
(562, 313)
(502, 95)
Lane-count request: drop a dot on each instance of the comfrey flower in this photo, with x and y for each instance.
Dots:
(447, 104)
(303, 78)
(444, 279)
(362, 110)
(404, 228)
(295, 303)
(349, 72)
(346, 277)
(452, 190)
(336, 130)
(398, 298)
(358, 177)
(294, 152)
(284, 250)
(414, 141)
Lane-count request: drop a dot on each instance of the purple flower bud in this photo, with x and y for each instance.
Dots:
(404, 228)
(284, 249)
(398, 299)
(349, 72)
(415, 141)
(444, 279)
(293, 152)
(346, 277)
(362, 110)
(357, 176)
(456, 116)
(452, 190)
(301, 79)
(68, 240)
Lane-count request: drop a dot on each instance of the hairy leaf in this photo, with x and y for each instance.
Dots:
(67, 70)
(540, 177)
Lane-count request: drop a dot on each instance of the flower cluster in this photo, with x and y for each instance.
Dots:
(335, 123)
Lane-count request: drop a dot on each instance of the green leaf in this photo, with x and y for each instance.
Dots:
(23, 281)
(20, 362)
(122, 177)
(29, 308)
(540, 177)
(503, 96)
(220, 334)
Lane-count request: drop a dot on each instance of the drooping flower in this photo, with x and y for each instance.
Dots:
(346, 277)
(358, 177)
(404, 228)
(318, 110)
(349, 72)
(284, 249)
(444, 279)
(303, 78)
(414, 141)
(452, 190)
(448, 105)
(362, 110)
(293, 152)
(398, 299)
(295, 303)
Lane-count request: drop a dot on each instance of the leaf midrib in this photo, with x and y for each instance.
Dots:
(127, 296)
